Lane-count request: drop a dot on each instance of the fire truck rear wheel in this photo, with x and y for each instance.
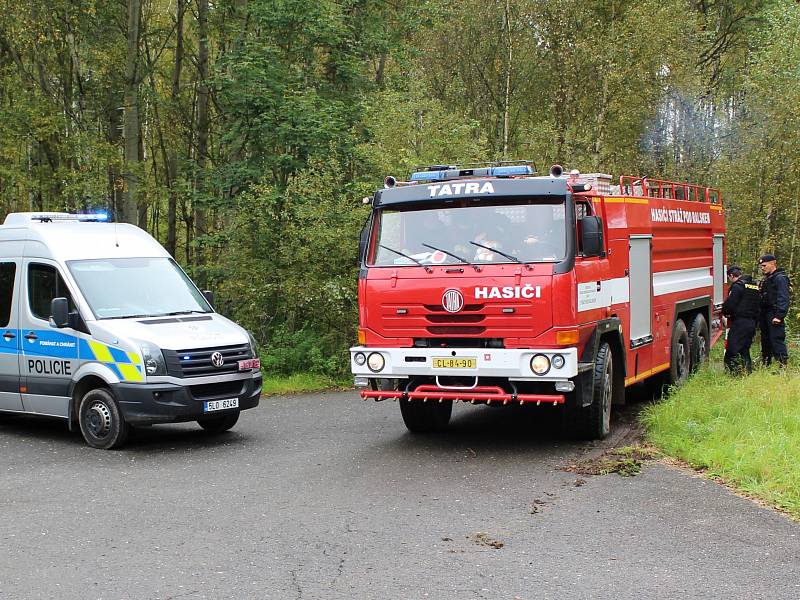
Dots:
(680, 354)
(699, 342)
(424, 417)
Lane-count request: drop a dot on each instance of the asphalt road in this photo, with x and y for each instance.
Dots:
(326, 496)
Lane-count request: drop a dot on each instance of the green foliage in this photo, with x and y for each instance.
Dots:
(745, 431)
(310, 105)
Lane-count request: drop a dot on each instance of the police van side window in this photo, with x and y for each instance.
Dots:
(7, 272)
(44, 284)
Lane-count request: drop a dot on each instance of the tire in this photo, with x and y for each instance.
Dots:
(101, 421)
(679, 355)
(699, 342)
(425, 417)
(219, 424)
(593, 422)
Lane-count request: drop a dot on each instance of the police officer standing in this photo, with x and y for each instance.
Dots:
(741, 309)
(774, 306)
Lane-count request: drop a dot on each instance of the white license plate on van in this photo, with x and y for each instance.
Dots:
(214, 405)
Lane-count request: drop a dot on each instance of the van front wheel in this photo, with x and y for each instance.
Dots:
(101, 421)
(219, 424)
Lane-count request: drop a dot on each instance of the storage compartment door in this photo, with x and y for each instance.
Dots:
(719, 269)
(641, 290)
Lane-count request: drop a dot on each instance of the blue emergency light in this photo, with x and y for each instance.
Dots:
(98, 216)
(510, 170)
(428, 175)
(443, 173)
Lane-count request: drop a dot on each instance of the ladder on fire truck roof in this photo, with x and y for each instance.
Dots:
(670, 190)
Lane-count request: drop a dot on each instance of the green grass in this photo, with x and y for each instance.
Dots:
(301, 382)
(743, 430)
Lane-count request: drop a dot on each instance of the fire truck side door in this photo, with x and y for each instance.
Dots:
(641, 292)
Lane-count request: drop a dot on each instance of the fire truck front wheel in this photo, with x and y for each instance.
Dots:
(593, 422)
(425, 417)
(680, 354)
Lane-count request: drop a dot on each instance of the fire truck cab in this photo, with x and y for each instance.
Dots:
(491, 285)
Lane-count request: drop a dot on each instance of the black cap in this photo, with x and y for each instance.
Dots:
(734, 270)
(766, 258)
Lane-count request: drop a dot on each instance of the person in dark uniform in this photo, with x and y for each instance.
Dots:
(741, 308)
(774, 306)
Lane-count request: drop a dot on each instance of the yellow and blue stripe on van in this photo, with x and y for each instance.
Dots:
(127, 366)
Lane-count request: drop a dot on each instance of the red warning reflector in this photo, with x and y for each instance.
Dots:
(249, 364)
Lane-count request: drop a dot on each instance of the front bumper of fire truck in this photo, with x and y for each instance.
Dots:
(511, 364)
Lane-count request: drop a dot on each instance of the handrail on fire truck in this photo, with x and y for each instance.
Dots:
(671, 190)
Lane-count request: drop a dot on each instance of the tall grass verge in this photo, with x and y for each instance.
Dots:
(744, 430)
(301, 382)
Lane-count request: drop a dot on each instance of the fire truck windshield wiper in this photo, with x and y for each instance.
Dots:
(508, 256)
(456, 256)
(404, 255)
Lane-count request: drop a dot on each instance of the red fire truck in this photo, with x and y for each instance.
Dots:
(488, 284)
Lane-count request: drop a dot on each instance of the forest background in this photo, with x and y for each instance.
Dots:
(244, 133)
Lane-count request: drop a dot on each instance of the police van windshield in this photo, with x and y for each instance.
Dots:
(520, 230)
(116, 288)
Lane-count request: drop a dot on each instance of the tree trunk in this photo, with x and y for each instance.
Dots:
(202, 132)
(130, 123)
(507, 100)
(172, 160)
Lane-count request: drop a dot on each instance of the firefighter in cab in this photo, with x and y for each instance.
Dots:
(775, 293)
(741, 309)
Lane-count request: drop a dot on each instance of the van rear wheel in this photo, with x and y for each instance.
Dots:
(219, 424)
(101, 421)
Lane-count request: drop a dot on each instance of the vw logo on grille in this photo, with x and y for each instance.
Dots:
(452, 301)
(217, 360)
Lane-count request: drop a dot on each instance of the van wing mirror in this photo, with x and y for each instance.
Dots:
(592, 236)
(209, 296)
(59, 312)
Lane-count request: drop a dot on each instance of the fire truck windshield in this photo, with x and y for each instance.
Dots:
(519, 229)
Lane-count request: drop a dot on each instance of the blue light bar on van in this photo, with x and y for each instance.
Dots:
(98, 216)
(510, 170)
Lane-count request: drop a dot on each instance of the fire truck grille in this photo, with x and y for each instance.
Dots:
(498, 320)
(197, 363)
(455, 330)
(438, 308)
(455, 318)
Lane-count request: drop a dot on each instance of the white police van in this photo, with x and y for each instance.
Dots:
(101, 327)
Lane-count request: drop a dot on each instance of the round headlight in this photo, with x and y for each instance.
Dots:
(376, 362)
(558, 361)
(540, 364)
(360, 359)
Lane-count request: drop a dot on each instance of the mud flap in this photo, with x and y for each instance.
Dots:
(584, 388)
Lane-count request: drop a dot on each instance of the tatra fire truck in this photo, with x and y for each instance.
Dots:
(491, 285)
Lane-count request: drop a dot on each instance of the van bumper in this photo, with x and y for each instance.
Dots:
(149, 404)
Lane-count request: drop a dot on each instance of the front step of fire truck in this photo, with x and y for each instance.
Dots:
(441, 376)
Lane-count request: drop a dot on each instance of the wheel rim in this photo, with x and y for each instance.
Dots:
(608, 383)
(98, 419)
(683, 361)
(701, 348)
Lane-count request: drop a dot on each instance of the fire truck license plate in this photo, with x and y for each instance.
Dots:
(213, 405)
(454, 363)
